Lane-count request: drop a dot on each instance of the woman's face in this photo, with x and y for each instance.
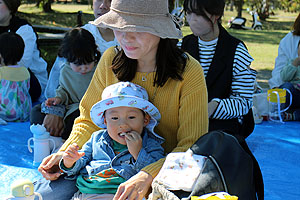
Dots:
(101, 7)
(4, 14)
(200, 26)
(138, 45)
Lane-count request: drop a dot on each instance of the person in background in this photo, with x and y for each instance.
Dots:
(119, 151)
(226, 64)
(15, 101)
(147, 56)
(31, 59)
(286, 71)
(104, 39)
(80, 50)
(287, 51)
(290, 75)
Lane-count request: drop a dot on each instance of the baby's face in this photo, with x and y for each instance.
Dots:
(121, 120)
(82, 69)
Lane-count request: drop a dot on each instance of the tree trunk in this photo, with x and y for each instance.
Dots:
(38, 2)
(239, 6)
(263, 13)
(231, 5)
(47, 6)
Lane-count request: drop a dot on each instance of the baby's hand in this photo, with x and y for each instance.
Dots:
(71, 155)
(134, 143)
(52, 101)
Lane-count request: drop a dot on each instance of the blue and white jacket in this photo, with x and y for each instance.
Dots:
(99, 155)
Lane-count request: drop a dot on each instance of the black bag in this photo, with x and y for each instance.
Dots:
(230, 167)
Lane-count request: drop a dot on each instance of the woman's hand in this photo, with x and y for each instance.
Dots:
(49, 166)
(135, 188)
(212, 106)
(54, 125)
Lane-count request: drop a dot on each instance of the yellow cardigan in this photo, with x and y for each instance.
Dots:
(182, 104)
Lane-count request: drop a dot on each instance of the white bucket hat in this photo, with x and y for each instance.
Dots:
(150, 16)
(125, 94)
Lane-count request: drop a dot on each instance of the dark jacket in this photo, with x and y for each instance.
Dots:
(219, 79)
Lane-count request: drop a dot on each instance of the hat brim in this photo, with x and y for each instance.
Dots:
(98, 109)
(160, 25)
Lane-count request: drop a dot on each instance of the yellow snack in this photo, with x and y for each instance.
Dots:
(215, 196)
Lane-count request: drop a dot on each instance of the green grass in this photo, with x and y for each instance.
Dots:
(262, 45)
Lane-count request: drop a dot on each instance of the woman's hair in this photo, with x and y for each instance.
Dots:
(199, 7)
(297, 26)
(79, 47)
(170, 63)
(11, 48)
(12, 5)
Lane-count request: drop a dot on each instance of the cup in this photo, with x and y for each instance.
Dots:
(277, 104)
(23, 190)
(41, 149)
(41, 139)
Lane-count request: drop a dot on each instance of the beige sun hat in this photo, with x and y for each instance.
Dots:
(151, 16)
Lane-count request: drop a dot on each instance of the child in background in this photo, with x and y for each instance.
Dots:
(80, 50)
(15, 100)
(125, 145)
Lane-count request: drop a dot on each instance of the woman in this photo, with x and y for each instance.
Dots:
(287, 50)
(104, 38)
(289, 72)
(31, 59)
(147, 56)
(226, 64)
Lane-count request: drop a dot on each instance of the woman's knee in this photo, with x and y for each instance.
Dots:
(287, 85)
(61, 189)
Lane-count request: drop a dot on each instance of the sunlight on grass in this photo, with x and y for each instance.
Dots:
(72, 8)
(264, 55)
(57, 7)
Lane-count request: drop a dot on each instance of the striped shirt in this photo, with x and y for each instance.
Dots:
(242, 88)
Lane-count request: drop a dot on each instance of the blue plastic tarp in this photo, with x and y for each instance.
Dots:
(276, 147)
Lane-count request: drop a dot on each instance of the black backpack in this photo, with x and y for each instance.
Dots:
(230, 167)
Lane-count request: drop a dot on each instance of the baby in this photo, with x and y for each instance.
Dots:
(126, 144)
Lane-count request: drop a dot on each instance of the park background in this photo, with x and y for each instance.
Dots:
(262, 44)
(275, 145)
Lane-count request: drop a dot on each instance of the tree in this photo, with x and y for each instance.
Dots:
(262, 8)
(290, 5)
(46, 5)
(239, 7)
